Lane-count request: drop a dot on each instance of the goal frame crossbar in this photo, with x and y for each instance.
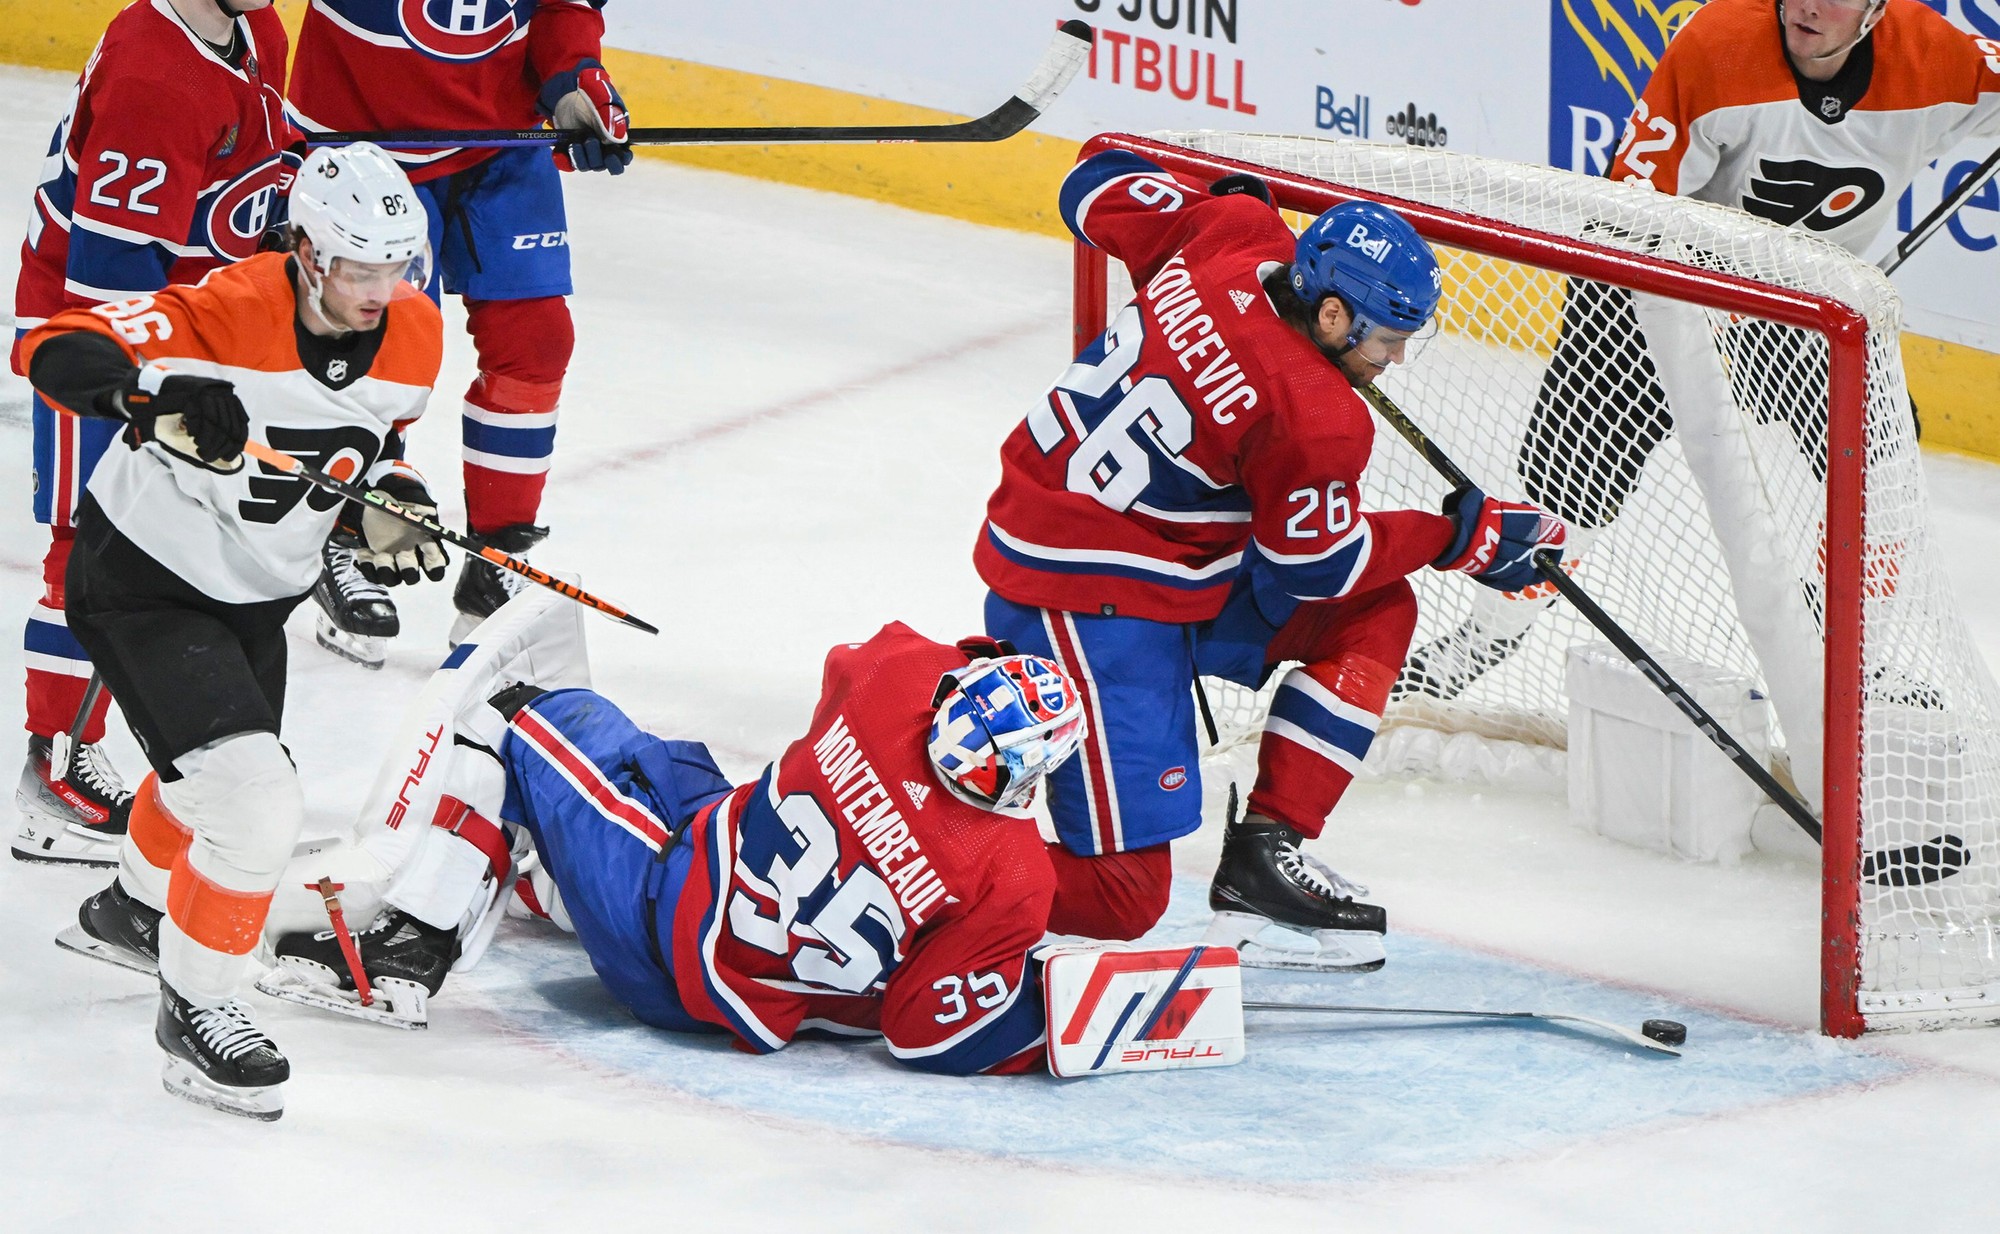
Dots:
(1846, 334)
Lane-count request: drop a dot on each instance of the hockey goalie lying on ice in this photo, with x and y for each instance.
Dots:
(882, 876)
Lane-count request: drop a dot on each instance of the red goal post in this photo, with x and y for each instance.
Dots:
(1846, 334)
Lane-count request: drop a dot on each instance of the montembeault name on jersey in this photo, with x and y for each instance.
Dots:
(881, 829)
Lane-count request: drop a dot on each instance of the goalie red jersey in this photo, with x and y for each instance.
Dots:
(436, 64)
(1724, 119)
(847, 889)
(1200, 428)
(166, 165)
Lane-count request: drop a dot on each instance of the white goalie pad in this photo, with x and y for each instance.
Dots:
(536, 637)
(1117, 1008)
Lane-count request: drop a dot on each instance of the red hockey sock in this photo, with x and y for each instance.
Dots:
(509, 427)
(58, 669)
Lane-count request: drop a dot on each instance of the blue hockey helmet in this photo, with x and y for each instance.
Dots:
(1001, 726)
(1375, 262)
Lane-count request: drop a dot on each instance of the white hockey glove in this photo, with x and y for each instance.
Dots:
(393, 551)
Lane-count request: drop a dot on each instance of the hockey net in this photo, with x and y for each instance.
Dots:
(1776, 530)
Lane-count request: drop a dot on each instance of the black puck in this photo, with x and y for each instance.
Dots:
(1666, 1032)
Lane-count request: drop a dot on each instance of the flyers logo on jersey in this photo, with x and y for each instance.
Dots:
(1801, 192)
(457, 29)
(240, 210)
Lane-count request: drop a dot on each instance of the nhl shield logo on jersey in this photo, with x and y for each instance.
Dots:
(336, 370)
(461, 29)
(240, 210)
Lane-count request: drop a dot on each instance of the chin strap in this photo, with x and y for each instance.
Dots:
(1868, 25)
(314, 300)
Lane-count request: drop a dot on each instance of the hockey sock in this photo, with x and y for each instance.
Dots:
(1323, 719)
(154, 841)
(242, 800)
(509, 426)
(58, 668)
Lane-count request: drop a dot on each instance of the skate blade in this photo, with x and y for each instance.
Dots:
(1263, 943)
(47, 840)
(184, 1080)
(367, 650)
(398, 1003)
(74, 939)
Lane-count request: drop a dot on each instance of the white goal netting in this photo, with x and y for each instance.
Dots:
(1691, 446)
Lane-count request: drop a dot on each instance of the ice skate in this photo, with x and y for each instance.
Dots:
(1283, 909)
(356, 617)
(114, 927)
(404, 959)
(218, 1058)
(483, 587)
(78, 818)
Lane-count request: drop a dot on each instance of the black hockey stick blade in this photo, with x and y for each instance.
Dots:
(1916, 864)
(1941, 214)
(1066, 55)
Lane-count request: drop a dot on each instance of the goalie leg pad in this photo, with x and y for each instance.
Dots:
(1128, 1009)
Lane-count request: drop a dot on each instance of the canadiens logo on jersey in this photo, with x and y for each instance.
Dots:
(461, 29)
(1802, 192)
(240, 211)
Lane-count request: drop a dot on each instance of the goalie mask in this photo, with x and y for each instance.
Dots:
(368, 227)
(1001, 726)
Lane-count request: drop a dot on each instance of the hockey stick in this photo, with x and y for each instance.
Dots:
(62, 747)
(1911, 864)
(1549, 566)
(1065, 55)
(1938, 217)
(380, 501)
(1672, 1032)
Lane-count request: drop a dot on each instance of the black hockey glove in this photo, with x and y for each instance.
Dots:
(1241, 182)
(198, 419)
(393, 551)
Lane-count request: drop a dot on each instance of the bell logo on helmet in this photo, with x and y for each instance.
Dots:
(1377, 247)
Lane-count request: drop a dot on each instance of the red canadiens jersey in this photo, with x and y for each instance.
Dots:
(436, 64)
(1198, 436)
(1725, 120)
(165, 166)
(848, 890)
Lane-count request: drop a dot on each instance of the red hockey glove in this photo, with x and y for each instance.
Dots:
(1497, 541)
(583, 99)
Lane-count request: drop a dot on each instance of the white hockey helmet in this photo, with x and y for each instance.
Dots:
(356, 205)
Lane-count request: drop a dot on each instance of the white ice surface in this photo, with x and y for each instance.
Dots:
(779, 431)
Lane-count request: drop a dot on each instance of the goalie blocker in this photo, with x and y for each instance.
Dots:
(1119, 1009)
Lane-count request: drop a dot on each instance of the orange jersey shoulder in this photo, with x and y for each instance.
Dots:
(1922, 60)
(241, 317)
(413, 349)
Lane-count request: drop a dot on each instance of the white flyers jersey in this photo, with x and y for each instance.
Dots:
(1725, 120)
(256, 534)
